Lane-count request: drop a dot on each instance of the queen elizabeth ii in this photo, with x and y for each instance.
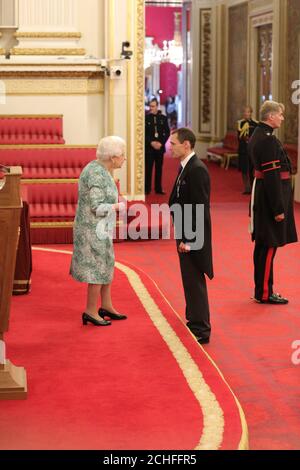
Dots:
(93, 257)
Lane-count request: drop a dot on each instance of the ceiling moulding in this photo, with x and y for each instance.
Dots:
(47, 35)
(258, 7)
(233, 3)
(47, 51)
(164, 3)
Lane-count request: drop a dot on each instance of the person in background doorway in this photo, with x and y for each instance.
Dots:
(157, 133)
(245, 129)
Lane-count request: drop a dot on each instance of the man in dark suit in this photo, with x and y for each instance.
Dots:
(272, 205)
(191, 191)
(157, 133)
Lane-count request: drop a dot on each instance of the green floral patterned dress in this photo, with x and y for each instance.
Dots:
(93, 255)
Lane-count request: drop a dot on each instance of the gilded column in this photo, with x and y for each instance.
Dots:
(210, 51)
(280, 65)
(219, 71)
(125, 94)
(202, 69)
(137, 103)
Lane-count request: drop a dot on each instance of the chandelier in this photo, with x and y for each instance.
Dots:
(152, 53)
(171, 52)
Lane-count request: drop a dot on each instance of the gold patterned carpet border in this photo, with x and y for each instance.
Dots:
(213, 417)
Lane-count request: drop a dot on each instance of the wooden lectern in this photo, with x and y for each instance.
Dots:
(13, 383)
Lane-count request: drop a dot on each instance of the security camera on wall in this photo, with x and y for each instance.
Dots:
(126, 54)
(116, 72)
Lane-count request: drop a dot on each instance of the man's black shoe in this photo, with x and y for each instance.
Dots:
(199, 338)
(202, 340)
(275, 299)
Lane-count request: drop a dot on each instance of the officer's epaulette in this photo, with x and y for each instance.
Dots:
(239, 124)
(269, 134)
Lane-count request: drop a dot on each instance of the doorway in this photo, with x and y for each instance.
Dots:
(167, 59)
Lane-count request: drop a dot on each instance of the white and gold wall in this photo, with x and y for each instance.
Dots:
(56, 66)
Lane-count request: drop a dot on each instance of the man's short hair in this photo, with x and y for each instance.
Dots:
(185, 134)
(270, 107)
(154, 100)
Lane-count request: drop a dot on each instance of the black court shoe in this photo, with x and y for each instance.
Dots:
(86, 318)
(113, 316)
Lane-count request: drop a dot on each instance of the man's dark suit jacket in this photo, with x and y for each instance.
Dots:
(193, 187)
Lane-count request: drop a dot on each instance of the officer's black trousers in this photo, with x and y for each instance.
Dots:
(263, 258)
(157, 157)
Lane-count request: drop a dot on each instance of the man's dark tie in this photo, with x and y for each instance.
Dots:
(179, 171)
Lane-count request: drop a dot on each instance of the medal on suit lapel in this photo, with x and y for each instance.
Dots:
(155, 128)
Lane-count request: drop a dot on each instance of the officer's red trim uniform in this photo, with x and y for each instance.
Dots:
(271, 196)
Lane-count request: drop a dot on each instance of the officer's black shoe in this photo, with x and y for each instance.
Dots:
(275, 299)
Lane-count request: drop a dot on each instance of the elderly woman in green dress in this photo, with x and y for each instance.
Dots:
(93, 256)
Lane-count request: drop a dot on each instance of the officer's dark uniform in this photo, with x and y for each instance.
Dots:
(157, 129)
(245, 129)
(272, 195)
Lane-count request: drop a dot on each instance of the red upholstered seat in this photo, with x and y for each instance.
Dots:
(31, 130)
(229, 145)
(292, 151)
(52, 202)
(227, 149)
(52, 210)
(48, 162)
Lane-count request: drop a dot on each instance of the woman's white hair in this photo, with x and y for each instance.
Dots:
(111, 146)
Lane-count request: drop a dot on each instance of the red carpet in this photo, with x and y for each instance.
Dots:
(134, 385)
(251, 343)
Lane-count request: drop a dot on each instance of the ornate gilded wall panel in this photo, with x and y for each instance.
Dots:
(291, 119)
(237, 63)
(139, 97)
(205, 72)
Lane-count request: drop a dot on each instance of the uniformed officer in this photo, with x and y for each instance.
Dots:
(272, 211)
(245, 129)
(157, 133)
